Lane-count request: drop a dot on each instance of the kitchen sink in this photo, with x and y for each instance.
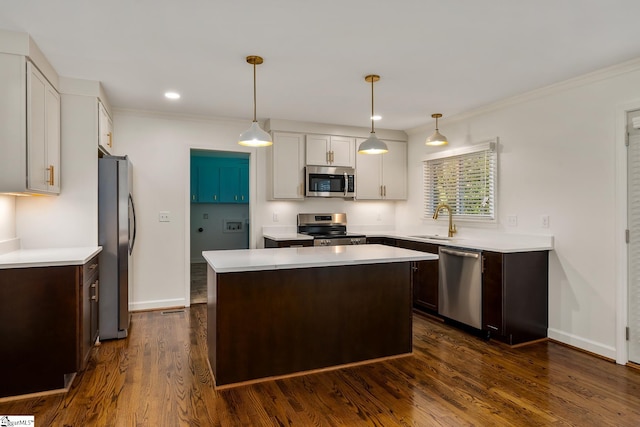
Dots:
(433, 237)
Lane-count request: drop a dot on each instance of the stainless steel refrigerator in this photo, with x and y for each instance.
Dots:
(116, 235)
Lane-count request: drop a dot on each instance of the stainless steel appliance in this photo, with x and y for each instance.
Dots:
(325, 181)
(117, 236)
(328, 229)
(460, 286)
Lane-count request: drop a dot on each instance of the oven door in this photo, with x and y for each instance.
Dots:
(323, 181)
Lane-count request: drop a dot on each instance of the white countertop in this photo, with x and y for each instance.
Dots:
(498, 242)
(495, 242)
(312, 256)
(280, 236)
(26, 258)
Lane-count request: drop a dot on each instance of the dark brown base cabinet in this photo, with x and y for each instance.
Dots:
(515, 295)
(515, 290)
(302, 319)
(424, 276)
(48, 323)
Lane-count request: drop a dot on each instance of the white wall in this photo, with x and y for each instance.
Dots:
(159, 147)
(7, 217)
(211, 217)
(558, 158)
(71, 218)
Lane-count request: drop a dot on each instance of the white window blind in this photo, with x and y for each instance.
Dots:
(464, 179)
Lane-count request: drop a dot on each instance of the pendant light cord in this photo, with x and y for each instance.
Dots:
(254, 92)
(372, 131)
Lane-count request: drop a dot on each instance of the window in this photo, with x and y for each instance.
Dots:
(464, 179)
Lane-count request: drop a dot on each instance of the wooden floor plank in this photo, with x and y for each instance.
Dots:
(159, 376)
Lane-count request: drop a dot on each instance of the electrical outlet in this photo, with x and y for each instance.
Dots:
(544, 221)
(275, 217)
(164, 216)
(512, 221)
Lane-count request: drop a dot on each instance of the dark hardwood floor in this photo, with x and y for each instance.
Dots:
(198, 283)
(159, 376)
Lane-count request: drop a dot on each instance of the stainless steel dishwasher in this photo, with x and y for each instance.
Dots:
(460, 286)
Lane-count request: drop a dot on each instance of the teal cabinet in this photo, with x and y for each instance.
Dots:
(219, 180)
(208, 183)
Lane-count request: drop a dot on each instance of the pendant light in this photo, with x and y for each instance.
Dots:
(255, 136)
(437, 138)
(372, 145)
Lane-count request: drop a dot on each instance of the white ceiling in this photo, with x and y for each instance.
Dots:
(445, 56)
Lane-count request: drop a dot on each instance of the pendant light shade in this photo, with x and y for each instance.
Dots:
(372, 145)
(255, 136)
(437, 138)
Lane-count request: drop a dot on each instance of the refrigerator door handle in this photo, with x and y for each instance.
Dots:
(132, 239)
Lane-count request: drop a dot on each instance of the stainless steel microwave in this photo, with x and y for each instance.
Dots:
(328, 181)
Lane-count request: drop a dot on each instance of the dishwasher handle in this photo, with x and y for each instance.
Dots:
(475, 255)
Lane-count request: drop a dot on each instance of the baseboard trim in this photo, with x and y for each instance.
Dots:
(579, 343)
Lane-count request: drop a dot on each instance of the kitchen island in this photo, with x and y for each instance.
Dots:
(279, 312)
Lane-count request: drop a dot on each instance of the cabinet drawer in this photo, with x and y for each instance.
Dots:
(90, 269)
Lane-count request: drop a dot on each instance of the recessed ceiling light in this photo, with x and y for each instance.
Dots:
(172, 95)
(376, 117)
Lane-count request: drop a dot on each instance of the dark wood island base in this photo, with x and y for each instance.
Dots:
(273, 323)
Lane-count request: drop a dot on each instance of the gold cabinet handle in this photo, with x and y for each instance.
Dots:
(193, 197)
(385, 190)
(235, 197)
(327, 156)
(51, 175)
(93, 266)
(242, 197)
(110, 143)
(215, 197)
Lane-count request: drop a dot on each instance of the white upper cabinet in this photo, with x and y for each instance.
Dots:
(105, 129)
(329, 150)
(30, 131)
(43, 133)
(286, 166)
(382, 176)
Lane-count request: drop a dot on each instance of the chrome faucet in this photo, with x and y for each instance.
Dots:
(452, 226)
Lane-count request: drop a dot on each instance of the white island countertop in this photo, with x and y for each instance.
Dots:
(240, 260)
(50, 257)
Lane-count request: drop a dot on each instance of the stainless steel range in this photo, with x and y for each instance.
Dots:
(328, 229)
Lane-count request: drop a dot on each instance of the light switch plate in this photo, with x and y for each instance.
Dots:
(544, 221)
(164, 216)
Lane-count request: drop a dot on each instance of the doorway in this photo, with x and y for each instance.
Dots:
(633, 226)
(219, 210)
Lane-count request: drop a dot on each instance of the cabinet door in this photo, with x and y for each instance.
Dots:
(424, 276)
(195, 161)
(368, 175)
(394, 171)
(318, 150)
(208, 182)
(105, 128)
(229, 184)
(43, 133)
(244, 183)
(342, 151)
(287, 166)
(492, 293)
